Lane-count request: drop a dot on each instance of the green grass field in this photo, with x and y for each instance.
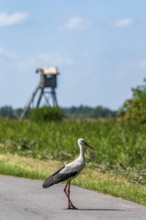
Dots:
(114, 142)
(117, 167)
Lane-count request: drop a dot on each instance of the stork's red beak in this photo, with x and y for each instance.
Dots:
(86, 144)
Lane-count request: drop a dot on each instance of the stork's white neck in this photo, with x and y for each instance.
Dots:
(81, 147)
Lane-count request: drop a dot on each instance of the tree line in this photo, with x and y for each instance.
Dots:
(68, 112)
(133, 109)
(90, 112)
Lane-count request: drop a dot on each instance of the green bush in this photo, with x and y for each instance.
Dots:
(47, 114)
(134, 109)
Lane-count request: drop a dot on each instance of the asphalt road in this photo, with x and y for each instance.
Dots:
(23, 199)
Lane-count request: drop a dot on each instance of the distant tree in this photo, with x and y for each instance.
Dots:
(46, 113)
(102, 112)
(17, 112)
(89, 112)
(135, 108)
(7, 112)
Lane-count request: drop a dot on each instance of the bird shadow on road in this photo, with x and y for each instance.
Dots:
(88, 209)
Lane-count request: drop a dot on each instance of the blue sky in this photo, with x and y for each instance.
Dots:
(99, 47)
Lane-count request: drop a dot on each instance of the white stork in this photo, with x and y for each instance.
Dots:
(69, 172)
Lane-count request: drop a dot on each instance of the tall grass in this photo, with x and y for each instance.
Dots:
(114, 142)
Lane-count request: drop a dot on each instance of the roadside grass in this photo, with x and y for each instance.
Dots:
(93, 179)
(26, 167)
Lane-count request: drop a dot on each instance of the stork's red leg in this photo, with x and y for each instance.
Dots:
(71, 204)
(67, 192)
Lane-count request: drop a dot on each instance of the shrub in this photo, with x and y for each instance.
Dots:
(47, 114)
(134, 109)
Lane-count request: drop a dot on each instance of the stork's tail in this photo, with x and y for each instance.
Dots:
(48, 182)
(55, 178)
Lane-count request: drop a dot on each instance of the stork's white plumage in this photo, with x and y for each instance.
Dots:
(69, 172)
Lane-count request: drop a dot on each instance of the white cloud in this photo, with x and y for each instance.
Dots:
(7, 54)
(126, 22)
(27, 64)
(12, 19)
(142, 64)
(75, 23)
(44, 59)
(55, 59)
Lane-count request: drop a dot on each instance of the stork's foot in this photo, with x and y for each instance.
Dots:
(72, 207)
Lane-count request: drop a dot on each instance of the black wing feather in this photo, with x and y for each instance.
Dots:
(58, 177)
(58, 170)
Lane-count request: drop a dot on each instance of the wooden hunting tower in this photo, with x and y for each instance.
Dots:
(45, 90)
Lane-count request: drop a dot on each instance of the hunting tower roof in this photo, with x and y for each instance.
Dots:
(48, 71)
